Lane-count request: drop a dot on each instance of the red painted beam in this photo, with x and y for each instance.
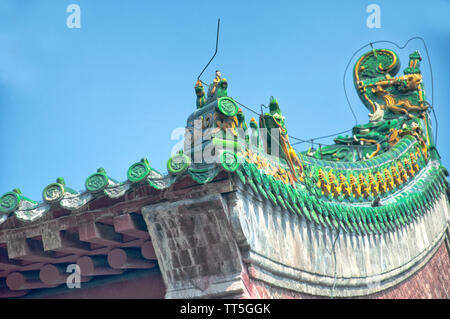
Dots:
(6, 263)
(29, 250)
(28, 267)
(140, 287)
(5, 292)
(52, 275)
(128, 258)
(147, 250)
(25, 280)
(96, 266)
(24, 265)
(63, 242)
(99, 234)
(56, 274)
(132, 225)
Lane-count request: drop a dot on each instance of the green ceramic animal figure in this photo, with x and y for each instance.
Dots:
(395, 103)
(222, 88)
(241, 120)
(271, 121)
(200, 93)
(242, 126)
(254, 135)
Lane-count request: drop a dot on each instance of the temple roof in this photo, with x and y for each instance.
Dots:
(374, 190)
(382, 178)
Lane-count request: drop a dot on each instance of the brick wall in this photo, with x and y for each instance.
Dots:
(430, 282)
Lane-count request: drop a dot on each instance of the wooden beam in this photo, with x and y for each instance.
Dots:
(64, 242)
(131, 225)
(56, 274)
(217, 187)
(147, 250)
(53, 274)
(25, 280)
(28, 249)
(6, 263)
(128, 258)
(99, 234)
(96, 266)
(5, 292)
(27, 266)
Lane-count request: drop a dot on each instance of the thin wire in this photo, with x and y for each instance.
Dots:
(317, 138)
(299, 139)
(348, 101)
(343, 82)
(311, 140)
(335, 265)
(217, 46)
(431, 74)
(333, 252)
(293, 137)
(290, 136)
(262, 105)
(400, 47)
(246, 107)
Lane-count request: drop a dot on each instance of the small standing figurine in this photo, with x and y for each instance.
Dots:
(216, 90)
(216, 82)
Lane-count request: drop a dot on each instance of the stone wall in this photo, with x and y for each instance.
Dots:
(196, 251)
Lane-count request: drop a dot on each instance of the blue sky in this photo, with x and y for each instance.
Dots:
(112, 92)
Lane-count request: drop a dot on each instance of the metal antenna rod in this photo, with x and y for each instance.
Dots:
(217, 45)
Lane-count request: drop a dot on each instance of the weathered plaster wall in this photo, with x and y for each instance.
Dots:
(430, 282)
(236, 244)
(289, 252)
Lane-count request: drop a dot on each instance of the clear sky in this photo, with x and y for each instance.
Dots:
(112, 92)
